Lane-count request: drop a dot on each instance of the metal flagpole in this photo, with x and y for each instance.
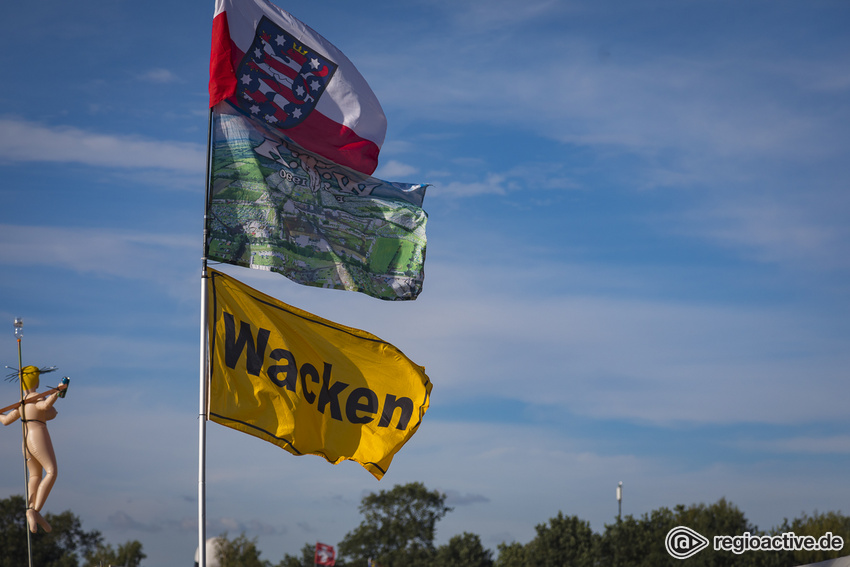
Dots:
(204, 368)
(202, 427)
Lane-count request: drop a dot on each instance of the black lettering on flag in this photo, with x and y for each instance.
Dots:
(390, 405)
(234, 346)
(330, 394)
(353, 405)
(361, 406)
(309, 370)
(290, 369)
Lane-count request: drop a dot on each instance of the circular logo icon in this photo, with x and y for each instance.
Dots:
(682, 542)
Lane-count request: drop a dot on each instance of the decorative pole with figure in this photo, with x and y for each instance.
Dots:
(35, 410)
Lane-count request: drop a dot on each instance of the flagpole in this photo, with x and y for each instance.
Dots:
(202, 429)
(204, 368)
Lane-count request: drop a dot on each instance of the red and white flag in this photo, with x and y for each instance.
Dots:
(325, 554)
(279, 71)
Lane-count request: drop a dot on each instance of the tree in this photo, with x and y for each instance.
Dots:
(818, 526)
(640, 542)
(128, 555)
(511, 555)
(308, 558)
(464, 551)
(637, 542)
(59, 548)
(720, 518)
(239, 552)
(398, 528)
(567, 540)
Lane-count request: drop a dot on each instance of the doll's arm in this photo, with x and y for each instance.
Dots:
(47, 402)
(7, 418)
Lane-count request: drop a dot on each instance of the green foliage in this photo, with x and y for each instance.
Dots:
(639, 542)
(308, 556)
(464, 550)
(13, 539)
(290, 561)
(399, 526)
(817, 526)
(398, 529)
(59, 548)
(566, 540)
(239, 552)
(511, 555)
(721, 518)
(632, 542)
(128, 555)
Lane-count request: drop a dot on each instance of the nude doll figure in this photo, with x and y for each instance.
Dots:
(38, 448)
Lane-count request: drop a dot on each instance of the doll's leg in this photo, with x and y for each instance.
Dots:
(41, 448)
(35, 471)
(44, 461)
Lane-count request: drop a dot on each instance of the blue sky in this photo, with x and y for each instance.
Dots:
(637, 262)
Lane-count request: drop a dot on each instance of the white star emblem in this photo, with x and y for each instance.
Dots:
(300, 91)
(314, 63)
(280, 40)
(296, 113)
(246, 79)
(255, 109)
(315, 85)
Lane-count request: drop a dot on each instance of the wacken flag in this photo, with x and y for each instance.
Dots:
(306, 384)
(275, 206)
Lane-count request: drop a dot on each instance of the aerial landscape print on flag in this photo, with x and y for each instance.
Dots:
(275, 206)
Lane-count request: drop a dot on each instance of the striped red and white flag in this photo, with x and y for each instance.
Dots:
(277, 70)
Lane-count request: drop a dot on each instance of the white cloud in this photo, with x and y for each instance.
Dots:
(638, 359)
(731, 99)
(159, 76)
(96, 250)
(785, 232)
(395, 170)
(739, 116)
(500, 15)
(24, 141)
(811, 445)
(494, 184)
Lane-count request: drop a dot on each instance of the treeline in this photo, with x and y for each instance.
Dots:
(399, 527)
(67, 545)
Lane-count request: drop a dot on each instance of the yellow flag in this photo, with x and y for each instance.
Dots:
(306, 384)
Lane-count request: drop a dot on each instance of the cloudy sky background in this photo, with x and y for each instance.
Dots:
(637, 262)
